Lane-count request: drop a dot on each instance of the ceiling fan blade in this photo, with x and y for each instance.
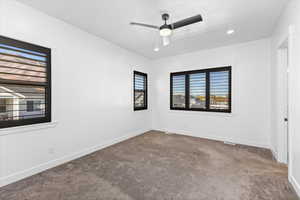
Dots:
(144, 25)
(187, 21)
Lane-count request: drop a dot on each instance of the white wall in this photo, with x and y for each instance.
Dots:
(249, 122)
(290, 20)
(92, 94)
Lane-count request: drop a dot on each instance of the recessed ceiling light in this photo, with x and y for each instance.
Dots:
(230, 32)
(156, 49)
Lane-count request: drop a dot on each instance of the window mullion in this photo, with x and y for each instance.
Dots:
(207, 90)
(187, 91)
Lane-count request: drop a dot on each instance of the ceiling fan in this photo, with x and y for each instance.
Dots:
(166, 30)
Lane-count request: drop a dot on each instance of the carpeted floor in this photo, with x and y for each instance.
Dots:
(156, 166)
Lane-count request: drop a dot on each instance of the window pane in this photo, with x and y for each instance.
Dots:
(219, 90)
(21, 102)
(139, 99)
(178, 97)
(197, 90)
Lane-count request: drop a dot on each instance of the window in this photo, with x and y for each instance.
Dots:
(25, 83)
(201, 90)
(140, 91)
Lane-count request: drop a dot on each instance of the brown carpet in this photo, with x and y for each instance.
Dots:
(156, 166)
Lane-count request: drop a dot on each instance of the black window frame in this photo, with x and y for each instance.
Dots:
(46, 85)
(207, 89)
(145, 107)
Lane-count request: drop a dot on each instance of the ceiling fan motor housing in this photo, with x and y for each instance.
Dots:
(165, 26)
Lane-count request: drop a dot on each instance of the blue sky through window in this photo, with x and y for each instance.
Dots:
(198, 84)
(38, 56)
(219, 84)
(139, 82)
(179, 85)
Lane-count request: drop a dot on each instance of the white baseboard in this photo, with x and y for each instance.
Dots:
(295, 185)
(53, 163)
(218, 138)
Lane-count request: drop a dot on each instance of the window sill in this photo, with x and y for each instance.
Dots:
(139, 109)
(27, 128)
(204, 113)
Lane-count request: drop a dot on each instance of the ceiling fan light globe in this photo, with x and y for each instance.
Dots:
(165, 32)
(166, 41)
(230, 32)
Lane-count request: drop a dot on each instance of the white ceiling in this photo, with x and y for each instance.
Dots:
(109, 19)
